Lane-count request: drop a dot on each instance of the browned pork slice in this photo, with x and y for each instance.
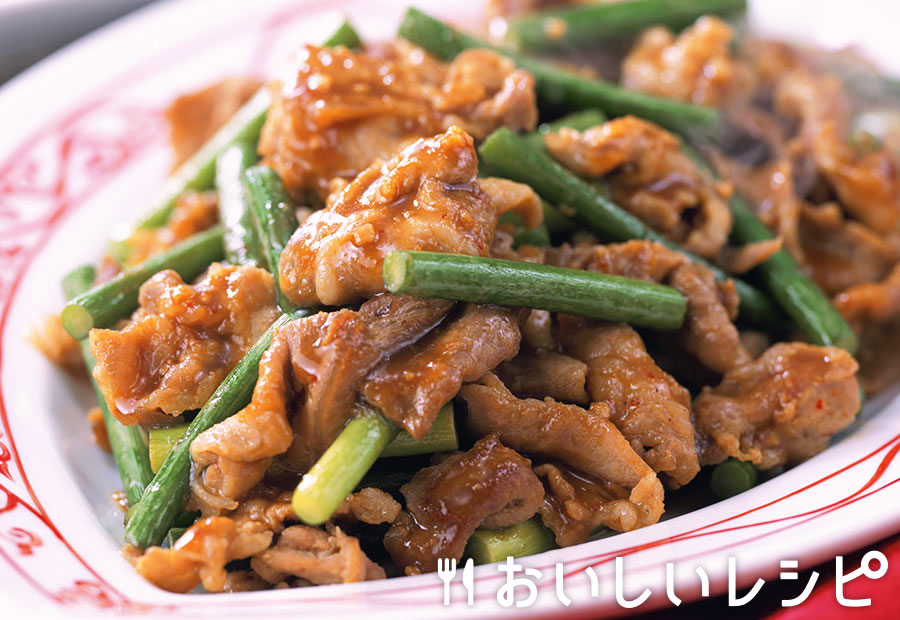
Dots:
(585, 440)
(244, 581)
(182, 341)
(537, 331)
(98, 429)
(202, 552)
(426, 198)
(650, 176)
(490, 485)
(264, 511)
(54, 342)
(841, 252)
(193, 212)
(780, 409)
(332, 363)
(696, 66)
(843, 243)
(511, 197)
(317, 556)
(195, 117)
(836, 251)
(539, 374)
(873, 310)
(483, 90)
(342, 110)
(200, 555)
(743, 259)
(708, 330)
(867, 181)
(638, 259)
(369, 505)
(646, 404)
(308, 382)
(235, 454)
(411, 387)
(770, 191)
(576, 503)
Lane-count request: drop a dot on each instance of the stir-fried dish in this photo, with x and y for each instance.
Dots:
(385, 316)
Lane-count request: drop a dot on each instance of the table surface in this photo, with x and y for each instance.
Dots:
(33, 29)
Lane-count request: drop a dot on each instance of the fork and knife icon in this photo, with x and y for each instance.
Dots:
(446, 570)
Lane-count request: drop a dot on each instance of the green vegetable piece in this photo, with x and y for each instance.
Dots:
(126, 442)
(801, 298)
(166, 495)
(174, 534)
(546, 287)
(590, 24)
(162, 439)
(345, 35)
(732, 477)
(275, 220)
(559, 88)
(337, 472)
(512, 157)
(199, 172)
(441, 437)
(116, 298)
(241, 244)
(527, 538)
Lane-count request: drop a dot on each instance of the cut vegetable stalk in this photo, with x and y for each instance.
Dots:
(166, 495)
(174, 534)
(337, 472)
(560, 88)
(512, 157)
(114, 299)
(241, 244)
(199, 172)
(161, 441)
(527, 538)
(545, 287)
(441, 437)
(592, 24)
(126, 442)
(801, 298)
(274, 217)
(732, 477)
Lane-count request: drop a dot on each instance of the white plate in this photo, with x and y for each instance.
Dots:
(83, 146)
